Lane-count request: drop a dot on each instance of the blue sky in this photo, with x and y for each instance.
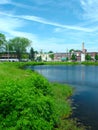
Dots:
(55, 25)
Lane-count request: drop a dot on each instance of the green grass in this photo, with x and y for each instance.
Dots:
(61, 63)
(29, 102)
(90, 63)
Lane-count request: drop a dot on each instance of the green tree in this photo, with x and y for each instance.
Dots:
(67, 58)
(25, 56)
(87, 57)
(39, 58)
(51, 56)
(3, 45)
(73, 57)
(50, 52)
(96, 57)
(71, 50)
(32, 54)
(19, 45)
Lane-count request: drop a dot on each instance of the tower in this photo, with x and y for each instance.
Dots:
(83, 46)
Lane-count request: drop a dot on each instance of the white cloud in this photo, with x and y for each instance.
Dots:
(90, 8)
(47, 22)
(10, 26)
(7, 23)
(44, 21)
(4, 1)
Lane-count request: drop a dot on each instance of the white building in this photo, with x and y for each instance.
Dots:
(44, 56)
(82, 57)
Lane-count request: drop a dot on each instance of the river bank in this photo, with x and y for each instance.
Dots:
(29, 101)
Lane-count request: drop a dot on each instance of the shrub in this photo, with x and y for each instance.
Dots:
(26, 105)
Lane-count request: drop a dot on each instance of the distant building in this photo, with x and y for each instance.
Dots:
(5, 56)
(80, 54)
(43, 56)
(82, 57)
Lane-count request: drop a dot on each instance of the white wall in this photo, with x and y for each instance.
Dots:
(82, 57)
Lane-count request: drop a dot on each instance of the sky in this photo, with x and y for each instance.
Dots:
(51, 25)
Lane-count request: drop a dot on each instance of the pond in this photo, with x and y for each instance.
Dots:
(85, 81)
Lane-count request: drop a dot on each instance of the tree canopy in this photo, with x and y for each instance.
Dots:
(19, 45)
(2, 42)
(73, 57)
(88, 57)
(96, 57)
(32, 54)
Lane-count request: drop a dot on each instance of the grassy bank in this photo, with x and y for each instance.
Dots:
(29, 102)
(89, 63)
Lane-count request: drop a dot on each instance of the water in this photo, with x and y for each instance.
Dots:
(85, 81)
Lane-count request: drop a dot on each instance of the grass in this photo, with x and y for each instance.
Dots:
(32, 102)
(62, 95)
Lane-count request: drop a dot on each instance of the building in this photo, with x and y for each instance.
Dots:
(5, 56)
(42, 57)
(80, 54)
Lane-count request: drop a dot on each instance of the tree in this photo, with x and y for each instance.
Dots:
(67, 58)
(39, 58)
(73, 57)
(87, 57)
(96, 57)
(19, 45)
(2, 42)
(71, 50)
(51, 56)
(50, 52)
(32, 54)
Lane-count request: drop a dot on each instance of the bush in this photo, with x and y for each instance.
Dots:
(26, 105)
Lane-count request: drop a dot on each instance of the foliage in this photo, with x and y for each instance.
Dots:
(50, 52)
(87, 57)
(67, 58)
(29, 102)
(2, 42)
(25, 103)
(61, 63)
(19, 45)
(32, 54)
(39, 58)
(90, 63)
(73, 57)
(96, 57)
(71, 50)
(25, 56)
(51, 56)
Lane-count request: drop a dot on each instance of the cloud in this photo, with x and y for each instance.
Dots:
(30, 36)
(8, 23)
(4, 2)
(48, 22)
(44, 21)
(90, 8)
(9, 26)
